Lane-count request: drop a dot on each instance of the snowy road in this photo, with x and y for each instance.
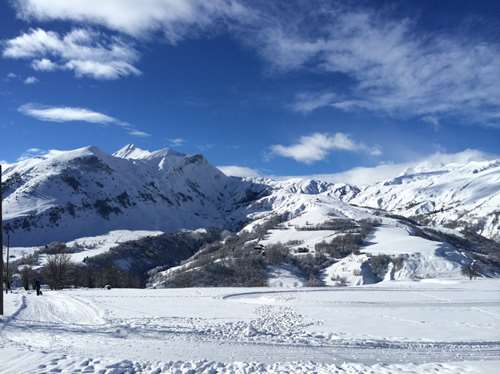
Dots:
(391, 323)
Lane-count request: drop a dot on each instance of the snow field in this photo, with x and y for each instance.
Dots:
(380, 328)
(21, 362)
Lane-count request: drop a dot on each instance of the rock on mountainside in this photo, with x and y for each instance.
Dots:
(456, 194)
(84, 192)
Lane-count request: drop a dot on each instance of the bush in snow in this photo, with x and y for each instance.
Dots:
(340, 246)
(27, 276)
(471, 270)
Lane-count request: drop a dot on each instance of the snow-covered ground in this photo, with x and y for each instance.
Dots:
(423, 258)
(438, 326)
(285, 276)
(96, 245)
(89, 246)
(427, 258)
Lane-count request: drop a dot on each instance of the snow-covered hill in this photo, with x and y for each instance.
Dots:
(66, 195)
(460, 193)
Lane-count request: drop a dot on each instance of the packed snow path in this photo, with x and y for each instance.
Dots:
(391, 323)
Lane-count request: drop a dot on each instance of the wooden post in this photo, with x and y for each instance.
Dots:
(7, 274)
(1, 246)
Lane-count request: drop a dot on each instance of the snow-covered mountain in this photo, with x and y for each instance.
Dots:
(66, 195)
(463, 193)
(305, 231)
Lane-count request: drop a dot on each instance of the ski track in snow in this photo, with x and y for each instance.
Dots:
(255, 330)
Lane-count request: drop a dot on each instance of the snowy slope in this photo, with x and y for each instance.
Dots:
(462, 193)
(419, 258)
(66, 195)
(427, 258)
(300, 214)
(82, 248)
(305, 203)
(311, 211)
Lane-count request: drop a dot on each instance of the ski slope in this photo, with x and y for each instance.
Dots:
(444, 326)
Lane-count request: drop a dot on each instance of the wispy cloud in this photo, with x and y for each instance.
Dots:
(316, 147)
(306, 102)
(175, 19)
(205, 147)
(139, 134)
(176, 142)
(104, 55)
(87, 53)
(65, 114)
(76, 114)
(239, 171)
(31, 80)
(30, 153)
(392, 66)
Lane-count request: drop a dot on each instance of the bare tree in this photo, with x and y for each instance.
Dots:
(56, 270)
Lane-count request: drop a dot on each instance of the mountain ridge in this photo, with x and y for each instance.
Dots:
(69, 194)
(133, 188)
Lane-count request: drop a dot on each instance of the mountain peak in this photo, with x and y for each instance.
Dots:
(131, 151)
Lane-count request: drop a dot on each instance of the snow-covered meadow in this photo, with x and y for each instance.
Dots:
(438, 326)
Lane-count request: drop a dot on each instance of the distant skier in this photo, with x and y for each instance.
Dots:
(37, 287)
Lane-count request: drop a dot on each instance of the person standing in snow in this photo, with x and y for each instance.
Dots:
(37, 287)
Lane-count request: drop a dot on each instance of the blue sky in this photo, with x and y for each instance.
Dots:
(283, 88)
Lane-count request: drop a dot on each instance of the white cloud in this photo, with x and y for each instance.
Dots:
(316, 147)
(239, 171)
(11, 76)
(65, 114)
(101, 70)
(99, 56)
(44, 64)
(30, 153)
(140, 134)
(174, 18)
(392, 66)
(306, 102)
(31, 80)
(176, 142)
(76, 114)
(86, 53)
